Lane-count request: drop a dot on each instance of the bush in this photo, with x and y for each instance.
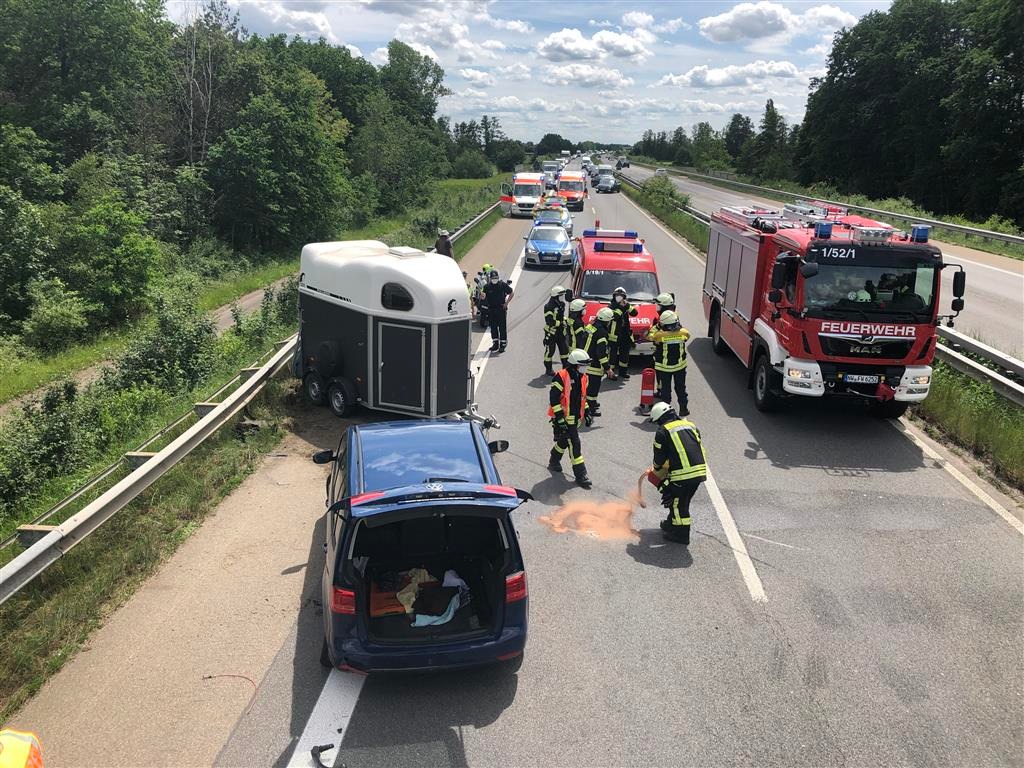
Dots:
(58, 316)
(472, 164)
(24, 247)
(662, 193)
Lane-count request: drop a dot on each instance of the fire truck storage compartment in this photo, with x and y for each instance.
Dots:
(391, 325)
(731, 273)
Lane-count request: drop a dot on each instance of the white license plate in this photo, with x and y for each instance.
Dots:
(856, 378)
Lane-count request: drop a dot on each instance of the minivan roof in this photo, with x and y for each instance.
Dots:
(392, 454)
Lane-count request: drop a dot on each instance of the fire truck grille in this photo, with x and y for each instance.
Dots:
(891, 350)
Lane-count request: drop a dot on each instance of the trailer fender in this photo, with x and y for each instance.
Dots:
(776, 352)
(328, 359)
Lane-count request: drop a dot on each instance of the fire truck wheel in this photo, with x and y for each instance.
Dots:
(717, 344)
(766, 379)
(889, 410)
(316, 391)
(341, 397)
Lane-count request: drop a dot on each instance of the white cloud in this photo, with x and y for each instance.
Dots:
(515, 70)
(424, 32)
(821, 50)
(766, 19)
(586, 76)
(470, 53)
(270, 17)
(568, 44)
(493, 45)
(622, 45)
(477, 76)
(637, 19)
(703, 76)
(602, 24)
(379, 57)
(471, 93)
(354, 50)
(674, 25)
(512, 25)
(423, 50)
(701, 107)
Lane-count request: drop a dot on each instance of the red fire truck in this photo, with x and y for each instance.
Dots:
(607, 259)
(835, 305)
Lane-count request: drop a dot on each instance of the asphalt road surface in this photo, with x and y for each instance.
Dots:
(867, 612)
(994, 311)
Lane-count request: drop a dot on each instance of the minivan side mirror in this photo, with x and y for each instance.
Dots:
(324, 457)
(497, 446)
(809, 269)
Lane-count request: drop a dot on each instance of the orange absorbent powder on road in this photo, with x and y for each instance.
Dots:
(606, 520)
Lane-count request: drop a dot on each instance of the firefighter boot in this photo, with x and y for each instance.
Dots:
(580, 471)
(555, 461)
(548, 369)
(624, 373)
(494, 346)
(677, 533)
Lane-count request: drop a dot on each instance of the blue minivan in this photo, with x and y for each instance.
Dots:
(423, 566)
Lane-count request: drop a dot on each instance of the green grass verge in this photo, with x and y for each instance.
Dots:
(975, 417)
(222, 293)
(692, 230)
(900, 206)
(45, 624)
(465, 243)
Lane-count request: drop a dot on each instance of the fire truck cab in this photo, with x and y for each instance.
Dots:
(606, 259)
(572, 185)
(821, 303)
(519, 197)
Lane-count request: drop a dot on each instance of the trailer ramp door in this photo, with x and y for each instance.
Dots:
(402, 370)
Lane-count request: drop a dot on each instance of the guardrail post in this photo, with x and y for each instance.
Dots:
(202, 409)
(245, 373)
(30, 534)
(136, 459)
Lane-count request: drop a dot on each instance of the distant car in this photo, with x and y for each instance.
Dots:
(624, 161)
(559, 216)
(660, 172)
(550, 180)
(607, 183)
(415, 497)
(548, 245)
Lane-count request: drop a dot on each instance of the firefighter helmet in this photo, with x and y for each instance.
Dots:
(658, 410)
(558, 290)
(665, 300)
(668, 319)
(577, 305)
(620, 291)
(605, 315)
(579, 357)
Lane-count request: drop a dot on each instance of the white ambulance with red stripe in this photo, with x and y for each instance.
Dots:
(519, 197)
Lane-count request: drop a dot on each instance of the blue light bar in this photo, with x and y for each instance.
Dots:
(823, 230)
(599, 246)
(638, 247)
(590, 233)
(919, 233)
(630, 233)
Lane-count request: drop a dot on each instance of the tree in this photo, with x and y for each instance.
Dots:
(25, 164)
(737, 132)
(552, 144)
(24, 249)
(508, 153)
(708, 147)
(472, 164)
(413, 82)
(767, 156)
(279, 175)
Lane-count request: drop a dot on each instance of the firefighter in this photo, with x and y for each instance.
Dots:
(620, 336)
(479, 281)
(593, 339)
(444, 243)
(497, 294)
(680, 466)
(568, 406)
(665, 302)
(670, 358)
(574, 322)
(20, 749)
(554, 329)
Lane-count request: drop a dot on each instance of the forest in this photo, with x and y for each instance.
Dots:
(924, 101)
(138, 154)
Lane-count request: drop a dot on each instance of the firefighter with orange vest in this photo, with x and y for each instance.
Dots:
(20, 749)
(568, 407)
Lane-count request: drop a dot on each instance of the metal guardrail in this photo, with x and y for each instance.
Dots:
(1004, 373)
(935, 223)
(58, 540)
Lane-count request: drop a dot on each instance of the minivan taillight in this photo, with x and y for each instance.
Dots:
(344, 601)
(515, 587)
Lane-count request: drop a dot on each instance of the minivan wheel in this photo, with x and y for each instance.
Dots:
(315, 389)
(765, 380)
(325, 655)
(341, 398)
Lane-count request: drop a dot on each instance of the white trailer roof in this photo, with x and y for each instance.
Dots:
(355, 273)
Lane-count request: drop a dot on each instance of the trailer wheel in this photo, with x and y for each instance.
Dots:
(341, 397)
(891, 409)
(717, 344)
(765, 380)
(313, 383)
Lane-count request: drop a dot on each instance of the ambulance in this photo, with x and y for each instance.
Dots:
(520, 197)
(572, 185)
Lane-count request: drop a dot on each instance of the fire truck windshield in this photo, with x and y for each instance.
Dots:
(893, 289)
(599, 284)
(528, 190)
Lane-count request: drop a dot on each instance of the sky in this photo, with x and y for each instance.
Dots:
(588, 70)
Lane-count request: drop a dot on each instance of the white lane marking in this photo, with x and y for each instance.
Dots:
(332, 712)
(946, 255)
(667, 231)
(963, 479)
(739, 548)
